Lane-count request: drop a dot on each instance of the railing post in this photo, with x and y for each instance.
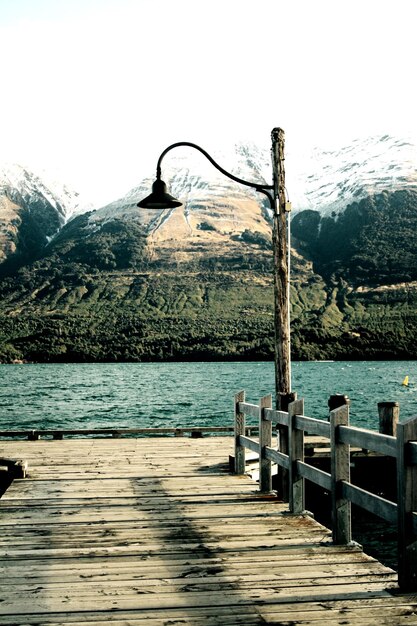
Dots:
(340, 470)
(296, 453)
(389, 413)
(240, 462)
(337, 400)
(265, 439)
(407, 504)
(283, 488)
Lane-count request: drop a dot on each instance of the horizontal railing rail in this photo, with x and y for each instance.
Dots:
(368, 440)
(288, 455)
(315, 475)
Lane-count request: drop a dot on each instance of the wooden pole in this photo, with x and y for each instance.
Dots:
(281, 273)
(340, 470)
(407, 505)
(265, 440)
(283, 488)
(296, 453)
(389, 413)
(239, 430)
(334, 402)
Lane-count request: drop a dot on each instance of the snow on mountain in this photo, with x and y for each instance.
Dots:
(211, 201)
(189, 175)
(328, 180)
(23, 186)
(213, 205)
(324, 180)
(33, 210)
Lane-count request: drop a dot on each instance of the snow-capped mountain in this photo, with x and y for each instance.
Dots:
(24, 187)
(215, 208)
(324, 180)
(329, 180)
(218, 213)
(189, 175)
(32, 209)
(123, 283)
(211, 201)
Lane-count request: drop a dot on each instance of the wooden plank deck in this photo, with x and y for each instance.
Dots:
(155, 531)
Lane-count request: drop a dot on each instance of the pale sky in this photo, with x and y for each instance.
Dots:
(94, 90)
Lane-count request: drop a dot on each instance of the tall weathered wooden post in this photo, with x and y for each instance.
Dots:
(281, 272)
(281, 250)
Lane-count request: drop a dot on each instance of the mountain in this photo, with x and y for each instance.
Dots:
(217, 213)
(122, 283)
(33, 211)
(329, 180)
(217, 210)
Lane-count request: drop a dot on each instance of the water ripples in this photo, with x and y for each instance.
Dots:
(140, 395)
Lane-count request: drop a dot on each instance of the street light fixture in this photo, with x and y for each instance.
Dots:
(161, 199)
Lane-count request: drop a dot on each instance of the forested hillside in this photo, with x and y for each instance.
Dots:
(107, 294)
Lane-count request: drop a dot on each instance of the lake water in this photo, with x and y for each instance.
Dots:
(138, 395)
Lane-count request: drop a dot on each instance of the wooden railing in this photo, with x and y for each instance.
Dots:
(293, 471)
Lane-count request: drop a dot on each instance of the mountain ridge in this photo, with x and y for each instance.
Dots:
(121, 283)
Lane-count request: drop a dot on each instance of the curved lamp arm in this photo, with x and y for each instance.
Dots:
(259, 187)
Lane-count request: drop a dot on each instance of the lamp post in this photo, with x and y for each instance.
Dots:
(161, 199)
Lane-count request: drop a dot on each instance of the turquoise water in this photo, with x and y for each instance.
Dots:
(137, 395)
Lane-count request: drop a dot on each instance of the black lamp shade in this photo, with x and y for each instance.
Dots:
(159, 198)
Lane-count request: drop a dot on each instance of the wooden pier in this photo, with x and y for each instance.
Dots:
(156, 531)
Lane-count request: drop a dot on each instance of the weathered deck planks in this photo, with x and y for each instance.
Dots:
(155, 531)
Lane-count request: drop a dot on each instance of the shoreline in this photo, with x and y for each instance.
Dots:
(206, 360)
